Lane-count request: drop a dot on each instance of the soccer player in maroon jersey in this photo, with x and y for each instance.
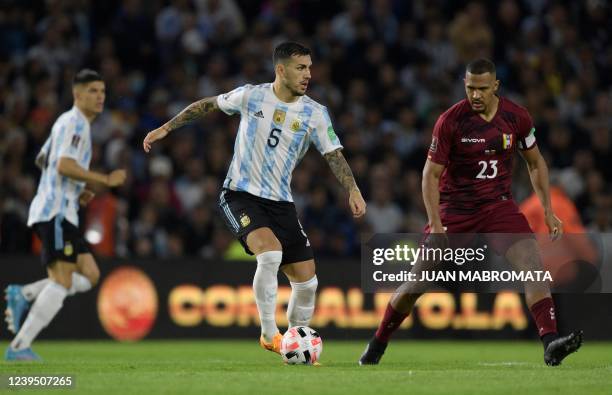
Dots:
(466, 189)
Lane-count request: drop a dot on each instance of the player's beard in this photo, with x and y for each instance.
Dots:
(295, 92)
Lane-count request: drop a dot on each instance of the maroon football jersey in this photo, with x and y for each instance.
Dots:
(478, 155)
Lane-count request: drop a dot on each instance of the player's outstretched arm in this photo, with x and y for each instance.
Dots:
(68, 167)
(343, 173)
(192, 112)
(538, 173)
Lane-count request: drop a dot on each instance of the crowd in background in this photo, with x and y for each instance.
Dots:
(385, 69)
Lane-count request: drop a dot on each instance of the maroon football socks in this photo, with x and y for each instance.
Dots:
(389, 324)
(543, 313)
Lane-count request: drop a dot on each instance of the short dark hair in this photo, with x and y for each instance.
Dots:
(481, 66)
(286, 50)
(86, 76)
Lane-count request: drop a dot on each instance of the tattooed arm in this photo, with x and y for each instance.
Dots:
(341, 169)
(192, 112)
(343, 173)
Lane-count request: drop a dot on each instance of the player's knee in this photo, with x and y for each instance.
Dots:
(312, 284)
(525, 257)
(61, 273)
(306, 274)
(63, 279)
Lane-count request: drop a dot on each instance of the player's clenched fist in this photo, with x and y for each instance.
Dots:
(85, 197)
(358, 205)
(116, 178)
(153, 136)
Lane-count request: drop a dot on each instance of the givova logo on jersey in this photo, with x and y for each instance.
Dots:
(472, 140)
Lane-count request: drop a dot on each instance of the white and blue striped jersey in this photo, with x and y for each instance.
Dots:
(58, 195)
(272, 138)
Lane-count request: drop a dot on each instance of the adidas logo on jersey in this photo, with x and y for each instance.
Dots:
(259, 114)
(472, 140)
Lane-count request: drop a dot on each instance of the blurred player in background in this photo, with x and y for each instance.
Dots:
(466, 189)
(64, 160)
(278, 122)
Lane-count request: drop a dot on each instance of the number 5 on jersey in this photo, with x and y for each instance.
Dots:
(273, 138)
(484, 169)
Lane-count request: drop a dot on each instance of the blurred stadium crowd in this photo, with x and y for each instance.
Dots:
(385, 68)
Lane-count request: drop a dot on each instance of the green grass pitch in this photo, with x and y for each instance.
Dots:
(241, 367)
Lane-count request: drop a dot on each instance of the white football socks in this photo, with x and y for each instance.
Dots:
(31, 291)
(265, 286)
(80, 283)
(47, 305)
(302, 302)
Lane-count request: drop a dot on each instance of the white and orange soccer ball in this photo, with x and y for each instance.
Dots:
(301, 345)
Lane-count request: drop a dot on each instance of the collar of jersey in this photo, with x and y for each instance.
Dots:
(284, 102)
(80, 113)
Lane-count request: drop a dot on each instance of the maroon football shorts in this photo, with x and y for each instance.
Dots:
(501, 223)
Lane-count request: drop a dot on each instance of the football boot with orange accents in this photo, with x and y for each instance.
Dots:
(273, 346)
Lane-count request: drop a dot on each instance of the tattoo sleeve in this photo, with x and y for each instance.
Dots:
(193, 111)
(341, 169)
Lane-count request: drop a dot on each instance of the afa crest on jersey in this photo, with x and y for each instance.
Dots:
(68, 249)
(295, 125)
(507, 141)
(245, 220)
(279, 117)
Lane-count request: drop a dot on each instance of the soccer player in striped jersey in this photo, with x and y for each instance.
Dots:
(466, 190)
(71, 268)
(278, 122)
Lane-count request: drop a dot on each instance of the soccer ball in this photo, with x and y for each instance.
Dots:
(301, 345)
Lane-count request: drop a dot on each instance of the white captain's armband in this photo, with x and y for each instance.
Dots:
(529, 141)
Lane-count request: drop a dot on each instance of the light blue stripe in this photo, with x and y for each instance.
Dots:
(267, 168)
(59, 233)
(253, 105)
(52, 174)
(64, 202)
(50, 199)
(295, 153)
(86, 158)
(328, 122)
(315, 139)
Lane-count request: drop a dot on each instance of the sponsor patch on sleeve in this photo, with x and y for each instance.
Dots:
(331, 133)
(434, 145)
(76, 139)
